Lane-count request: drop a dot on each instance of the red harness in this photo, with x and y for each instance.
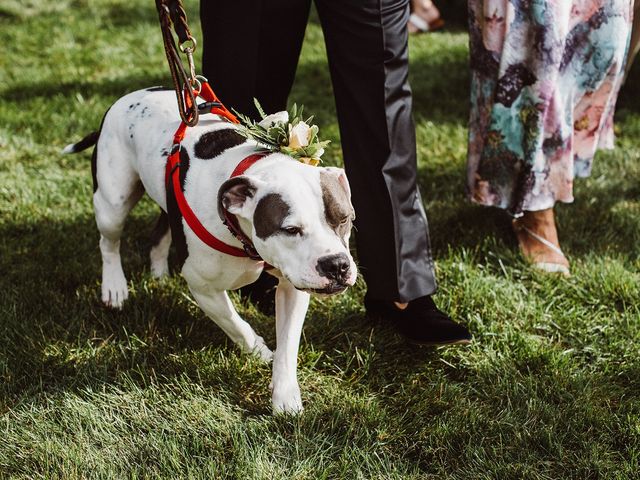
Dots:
(172, 176)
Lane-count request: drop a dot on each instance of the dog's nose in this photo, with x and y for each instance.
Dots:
(334, 267)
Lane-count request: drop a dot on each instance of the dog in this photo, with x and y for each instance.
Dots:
(297, 216)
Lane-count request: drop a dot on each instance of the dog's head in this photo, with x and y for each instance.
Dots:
(300, 221)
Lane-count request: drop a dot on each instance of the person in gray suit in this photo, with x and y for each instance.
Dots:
(251, 49)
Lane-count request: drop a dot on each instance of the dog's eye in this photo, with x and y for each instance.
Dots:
(292, 230)
(344, 220)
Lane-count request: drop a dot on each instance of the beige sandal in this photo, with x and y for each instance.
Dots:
(422, 26)
(549, 267)
(419, 19)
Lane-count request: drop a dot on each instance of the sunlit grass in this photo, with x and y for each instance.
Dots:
(549, 389)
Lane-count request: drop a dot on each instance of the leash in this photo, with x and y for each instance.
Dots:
(171, 13)
(187, 85)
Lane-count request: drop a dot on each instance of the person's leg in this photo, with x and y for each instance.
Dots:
(634, 46)
(536, 125)
(251, 50)
(367, 48)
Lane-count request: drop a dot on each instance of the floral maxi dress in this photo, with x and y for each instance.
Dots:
(545, 75)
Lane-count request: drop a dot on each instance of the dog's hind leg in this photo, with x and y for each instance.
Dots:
(160, 244)
(116, 195)
(219, 308)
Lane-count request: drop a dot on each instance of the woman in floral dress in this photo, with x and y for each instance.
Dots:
(545, 77)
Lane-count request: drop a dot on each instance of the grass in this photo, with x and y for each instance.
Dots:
(550, 388)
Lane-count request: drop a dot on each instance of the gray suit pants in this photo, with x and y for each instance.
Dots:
(251, 49)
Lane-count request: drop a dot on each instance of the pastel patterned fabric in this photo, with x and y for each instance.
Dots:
(545, 78)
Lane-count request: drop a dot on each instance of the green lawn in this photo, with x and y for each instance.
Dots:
(549, 389)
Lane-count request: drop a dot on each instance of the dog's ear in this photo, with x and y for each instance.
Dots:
(236, 195)
(340, 175)
(336, 196)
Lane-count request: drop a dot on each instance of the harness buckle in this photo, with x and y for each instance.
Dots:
(206, 107)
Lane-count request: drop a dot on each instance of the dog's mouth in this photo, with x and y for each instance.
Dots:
(332, 289)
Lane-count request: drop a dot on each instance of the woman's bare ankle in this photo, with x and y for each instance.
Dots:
(539, 223)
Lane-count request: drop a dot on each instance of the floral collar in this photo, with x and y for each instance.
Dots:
(285, 132)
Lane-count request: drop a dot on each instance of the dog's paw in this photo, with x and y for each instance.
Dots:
(261, 350)
(114, 290)
(160, 269)
(286, 399)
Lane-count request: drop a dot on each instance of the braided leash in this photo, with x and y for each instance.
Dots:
(186, 84)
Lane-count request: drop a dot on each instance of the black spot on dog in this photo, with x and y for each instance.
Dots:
(175, 217)
(212, 144)
(94, 169)
(164, 152)
(94, 155)
(160, 230)
(337, 207)
(185, 161)
(158, 89)
(269, 215)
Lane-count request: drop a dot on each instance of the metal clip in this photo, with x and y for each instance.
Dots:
(188, 51)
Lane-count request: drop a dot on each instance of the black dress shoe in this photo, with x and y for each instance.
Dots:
(421, 322)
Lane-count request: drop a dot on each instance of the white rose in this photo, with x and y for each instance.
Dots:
(300, 135)
(269, 120)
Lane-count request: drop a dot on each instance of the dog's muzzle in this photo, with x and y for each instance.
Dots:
(334, 267)
(337, 269)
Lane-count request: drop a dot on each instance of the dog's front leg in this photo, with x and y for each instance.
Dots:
(218, 306)
(291, 308)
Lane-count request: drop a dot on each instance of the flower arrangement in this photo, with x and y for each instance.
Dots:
(285, 132)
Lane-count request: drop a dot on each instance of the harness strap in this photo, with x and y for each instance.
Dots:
(245, 164)
(174, 188)
(207, 93)
(172, 175)
(230, 220)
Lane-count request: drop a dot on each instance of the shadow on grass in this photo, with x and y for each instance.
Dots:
(602, 220)
(133, 13)
(111, 88)
(440, 86)
(58, 337)
(629, 100)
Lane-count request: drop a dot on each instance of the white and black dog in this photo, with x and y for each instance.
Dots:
(297, 216)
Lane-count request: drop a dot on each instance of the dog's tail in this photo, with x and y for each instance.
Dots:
(83, 144)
